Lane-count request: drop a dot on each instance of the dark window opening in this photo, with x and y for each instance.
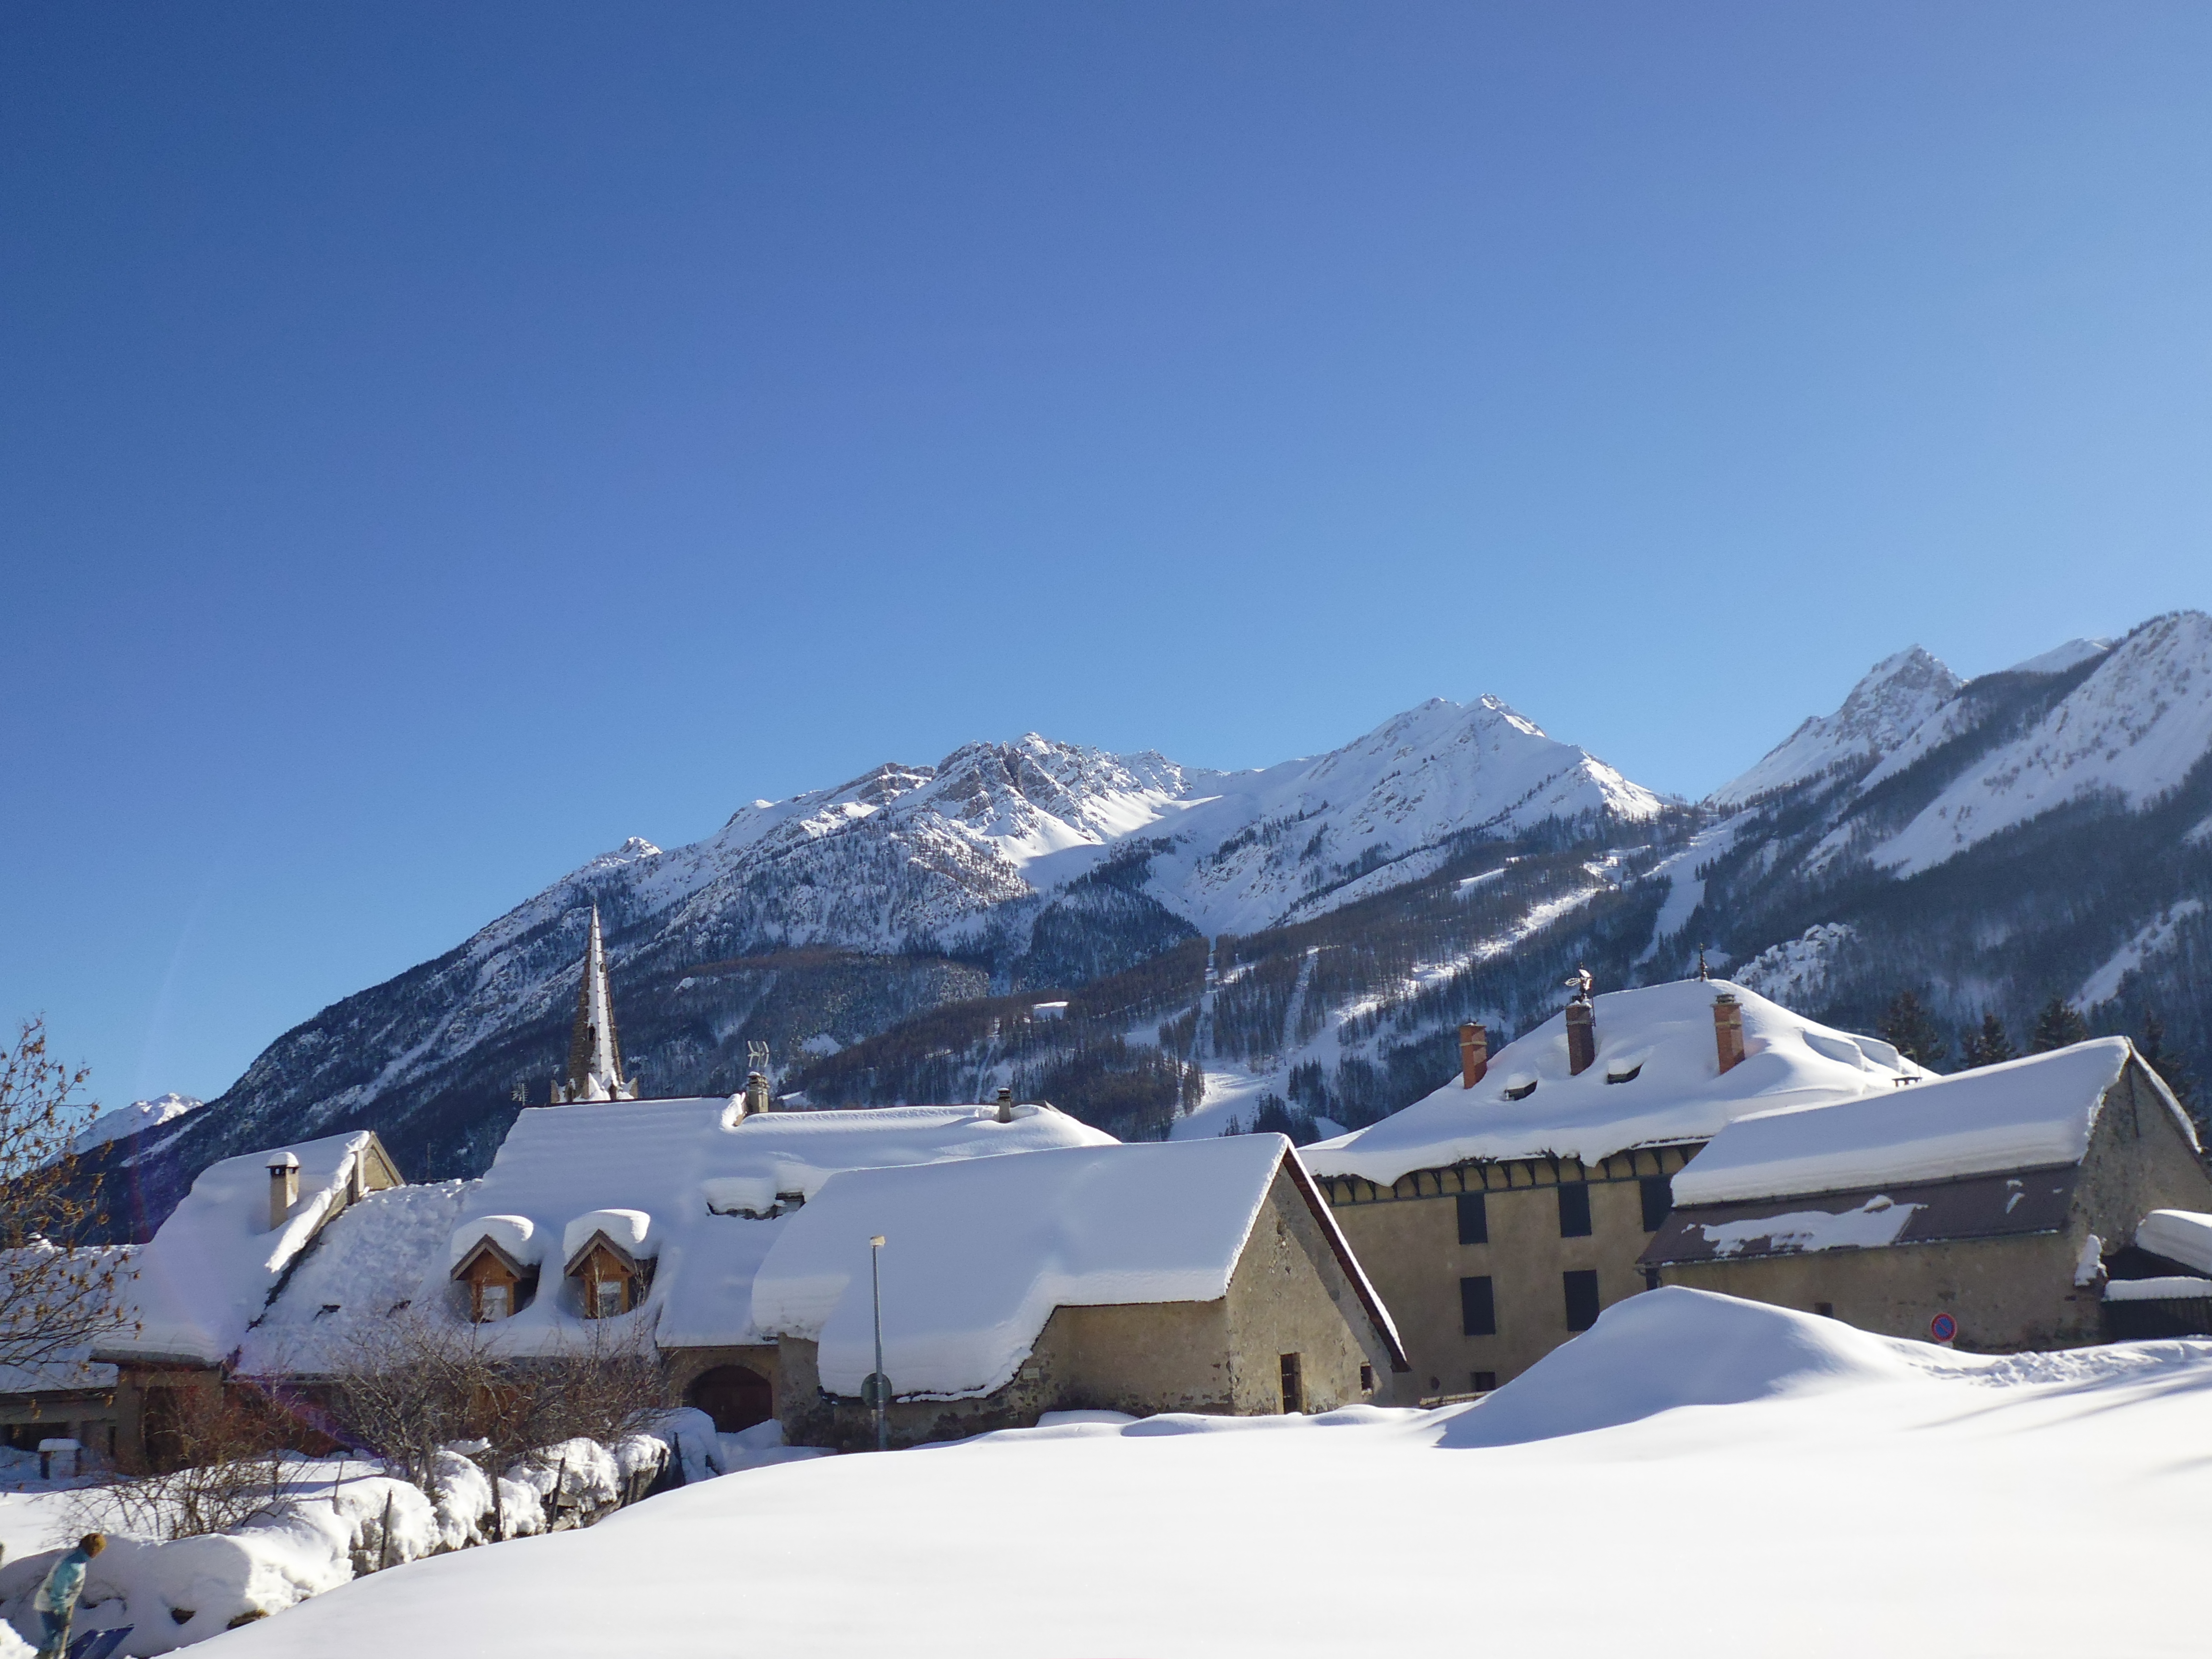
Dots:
(1478, 1308)
(1293, 1390)
(1484, 1382)
(1825, 1309)
(1473, 1218)
(1628, 1076)
(1523, 1093)
(1574, 1210)
(1582, 1298)
(1367, 1379)
(1658, 1199)
(1650, 1278)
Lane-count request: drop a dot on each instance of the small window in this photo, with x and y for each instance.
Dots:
(1574, 1210)
(1650, 1278)
(1367, 1379)
(1294, 1397)
(1473, 1218)
(1478, 1308)
(1484, 1382)
(1523, 1091)
(1628, 1076)
(1658, 1199)
(606, 1298)
(1825, 1309)
(1582, 1298)
(496, 1303)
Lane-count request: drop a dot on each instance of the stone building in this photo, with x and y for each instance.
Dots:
(1185, 1276)
(1501, 1214)
(1992, 1208)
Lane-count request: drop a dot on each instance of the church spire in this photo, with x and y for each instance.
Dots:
(594, 1052)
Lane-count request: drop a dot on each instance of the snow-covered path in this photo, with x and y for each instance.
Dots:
(1695, 1476)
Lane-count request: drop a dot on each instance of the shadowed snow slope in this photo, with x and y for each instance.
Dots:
(1833, 1494)
(1675, 1347)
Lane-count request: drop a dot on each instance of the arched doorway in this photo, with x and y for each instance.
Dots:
(735, 1397)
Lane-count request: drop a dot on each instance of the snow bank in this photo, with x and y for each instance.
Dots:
(1679, 1095)
(1670, 1348)
(1875, 1223)
(208, 1271)
(979, 1253)
(2180, 1235)
(2171, 1288)
(2023, 1114)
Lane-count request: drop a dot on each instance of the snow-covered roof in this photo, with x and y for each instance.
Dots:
(2024, 1114)
(208, 1273)
(1663, 1034)
(977, 1255)
(650, 1174)
(2182, 1236)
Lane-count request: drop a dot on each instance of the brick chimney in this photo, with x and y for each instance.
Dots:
(1473, 1054)
(1728, 1030)
(1006, 1105)
(1582, 1037)
(283, 1188)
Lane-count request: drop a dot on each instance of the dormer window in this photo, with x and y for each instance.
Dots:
(1523, 1092)
(610, 1280)
(1627, 1076)
(497, 1280)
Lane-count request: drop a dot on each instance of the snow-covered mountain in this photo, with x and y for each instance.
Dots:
(1297, 939)
(138, 1115)
(1005, 865)
(2043, 831)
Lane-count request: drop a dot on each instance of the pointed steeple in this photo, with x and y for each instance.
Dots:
(594, 1052)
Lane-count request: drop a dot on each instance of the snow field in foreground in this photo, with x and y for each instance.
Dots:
(1695, 1476)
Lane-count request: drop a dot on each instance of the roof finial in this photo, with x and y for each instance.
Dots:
(1579, 982)
(1702, 973)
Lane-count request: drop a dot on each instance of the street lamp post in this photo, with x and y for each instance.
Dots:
(881, 1385)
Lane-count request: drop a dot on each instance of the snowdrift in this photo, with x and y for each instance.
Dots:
(1675, 1347)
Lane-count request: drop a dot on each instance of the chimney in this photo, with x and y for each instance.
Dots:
(1582, 1037)
(1728, 1030)
(1006, 1105)
(283, 1188)
(1473, 1054)
(757, 1095)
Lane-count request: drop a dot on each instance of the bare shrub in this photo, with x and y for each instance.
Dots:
(410, 1385)
(230, 1450)
(57, 1297)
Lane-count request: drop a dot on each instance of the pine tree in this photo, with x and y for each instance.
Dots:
(1989, 1045)
(1910, 1029)
(2057, 1026)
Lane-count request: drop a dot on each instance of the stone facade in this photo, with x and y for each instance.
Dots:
(2007, 1294)
(1407, 1236)
(1291, 1296)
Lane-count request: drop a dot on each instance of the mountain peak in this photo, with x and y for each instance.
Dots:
(1893, 697)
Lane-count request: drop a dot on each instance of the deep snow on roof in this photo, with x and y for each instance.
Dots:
(1664, 1034)
(2182, 1236)
(208, 1273)
(2023, 1114)
(669, 1161)
(978, 1254)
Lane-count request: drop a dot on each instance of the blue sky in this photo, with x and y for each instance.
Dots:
(439, 442)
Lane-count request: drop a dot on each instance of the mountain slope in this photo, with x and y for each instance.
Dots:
(815, 922)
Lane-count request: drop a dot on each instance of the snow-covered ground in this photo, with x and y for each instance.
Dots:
(1695, 1476)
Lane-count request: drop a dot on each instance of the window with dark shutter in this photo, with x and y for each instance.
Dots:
(1474, 1219)
(1582, 1298)
(1484, 1382)
(1294, 1397)
(1574, 1210)
(1658, 1199)
(1367, 1379)
(1478, 1308)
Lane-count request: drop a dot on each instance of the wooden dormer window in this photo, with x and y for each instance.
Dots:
(497, 1282)
(610, 1281)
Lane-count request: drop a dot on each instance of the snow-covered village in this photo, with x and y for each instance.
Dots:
(1122, 832)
